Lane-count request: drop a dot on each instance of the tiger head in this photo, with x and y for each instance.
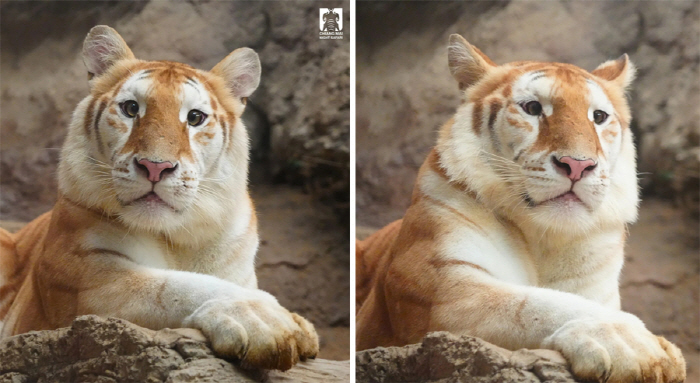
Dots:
(159, 144)
(547, 142)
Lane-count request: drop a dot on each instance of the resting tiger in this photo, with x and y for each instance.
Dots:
(517, 224)
(153, 221)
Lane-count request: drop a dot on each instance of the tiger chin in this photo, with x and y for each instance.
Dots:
(517, 224)
(153, 221)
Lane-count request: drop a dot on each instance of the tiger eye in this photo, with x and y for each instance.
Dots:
(533, 108)
(599, 117)
(195, 117)
(129, 108)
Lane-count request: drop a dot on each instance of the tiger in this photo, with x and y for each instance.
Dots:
(516, 227)
(153, 221)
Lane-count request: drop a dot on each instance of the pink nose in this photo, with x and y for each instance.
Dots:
(574, 168)
(155, 169)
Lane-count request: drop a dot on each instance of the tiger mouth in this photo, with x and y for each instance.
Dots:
(152, 199)
(569, 197)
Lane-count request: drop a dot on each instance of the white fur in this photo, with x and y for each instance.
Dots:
(532, 86)
(496, 251)
(195, 96)
(141, 248)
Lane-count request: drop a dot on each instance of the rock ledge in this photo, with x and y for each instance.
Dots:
(113, 350)
(444, 357)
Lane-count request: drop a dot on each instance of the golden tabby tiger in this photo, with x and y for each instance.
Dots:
(153, 221)
(516, 228)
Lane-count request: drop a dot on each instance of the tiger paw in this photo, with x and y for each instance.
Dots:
(618, 351)
(259, 333)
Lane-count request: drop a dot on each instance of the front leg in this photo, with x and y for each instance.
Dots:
(600, 343)
(243, 323)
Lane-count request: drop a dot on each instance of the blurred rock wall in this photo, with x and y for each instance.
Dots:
(405, 91)
(298, 119)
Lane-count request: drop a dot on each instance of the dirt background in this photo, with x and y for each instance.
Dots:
(298, 121)
(405, 92)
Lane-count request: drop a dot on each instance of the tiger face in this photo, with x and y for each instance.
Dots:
(161, 135)
(548, 136)
(165, 142)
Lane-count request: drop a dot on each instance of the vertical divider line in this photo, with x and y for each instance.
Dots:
(353, 12)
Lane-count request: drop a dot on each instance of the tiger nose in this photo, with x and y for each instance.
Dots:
(155, 170)
(574, 168)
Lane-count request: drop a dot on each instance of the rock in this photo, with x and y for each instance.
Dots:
(113, 350)
(444, 357)
(307, 102)
(405, 91)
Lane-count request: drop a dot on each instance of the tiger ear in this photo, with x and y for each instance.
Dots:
(620, 72)
(467, 63)
(241, 71)
(102, 48)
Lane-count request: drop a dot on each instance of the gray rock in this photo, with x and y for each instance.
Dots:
(444, 357)
(113, 350)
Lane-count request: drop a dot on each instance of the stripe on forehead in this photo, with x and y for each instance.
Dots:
(529, 66)
(538, 84)
(536, 75)
(600, 99)
(194, 95)
(144, 73)
(194, 85)
(550, 80)
(501, 82)
(529, 77)
(160, 76)
(597, 91)
(166, 72)
(175, 73)
(140, 79)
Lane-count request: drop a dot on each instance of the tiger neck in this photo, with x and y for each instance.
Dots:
(563, 261)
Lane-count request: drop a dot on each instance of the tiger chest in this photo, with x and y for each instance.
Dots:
(493, 250)
(142, 249)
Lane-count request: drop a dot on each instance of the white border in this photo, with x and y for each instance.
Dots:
(353, 13)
